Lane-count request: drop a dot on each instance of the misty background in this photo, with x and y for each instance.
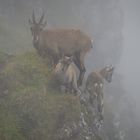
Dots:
(114, 27)
(130, 65)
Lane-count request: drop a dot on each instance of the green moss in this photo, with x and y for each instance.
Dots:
(26, 70)
(39, 111)
(9, 129)
(43, 113)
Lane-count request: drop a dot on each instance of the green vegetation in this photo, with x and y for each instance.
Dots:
(29, 108)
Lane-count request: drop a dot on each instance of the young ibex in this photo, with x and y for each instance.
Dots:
(58, 42)
(66, 73)
(94, 85)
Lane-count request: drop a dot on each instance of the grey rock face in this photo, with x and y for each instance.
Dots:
(89, 126)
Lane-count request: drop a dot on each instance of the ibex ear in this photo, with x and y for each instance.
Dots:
(33, 17)
(111, 67)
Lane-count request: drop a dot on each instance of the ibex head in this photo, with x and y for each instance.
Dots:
(107, 73)
(36, 27)
(66, 60)
(63, 64)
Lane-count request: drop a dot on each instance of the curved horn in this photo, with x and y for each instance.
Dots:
(41, 19)
(33, 17)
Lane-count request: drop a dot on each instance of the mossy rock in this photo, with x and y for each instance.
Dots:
(9, 128)
(42, 113)
(39, 111)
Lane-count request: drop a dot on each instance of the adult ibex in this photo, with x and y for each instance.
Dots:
(58, 42)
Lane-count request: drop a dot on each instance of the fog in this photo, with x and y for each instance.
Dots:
(113, 25)
(130, 65)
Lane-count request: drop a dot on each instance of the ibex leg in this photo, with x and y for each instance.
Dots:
(100, 104)
(79, 61)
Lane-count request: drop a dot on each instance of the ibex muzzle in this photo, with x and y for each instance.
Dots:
(58, 42)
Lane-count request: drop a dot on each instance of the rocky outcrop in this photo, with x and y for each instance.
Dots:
(89, 126)
(40, 111)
